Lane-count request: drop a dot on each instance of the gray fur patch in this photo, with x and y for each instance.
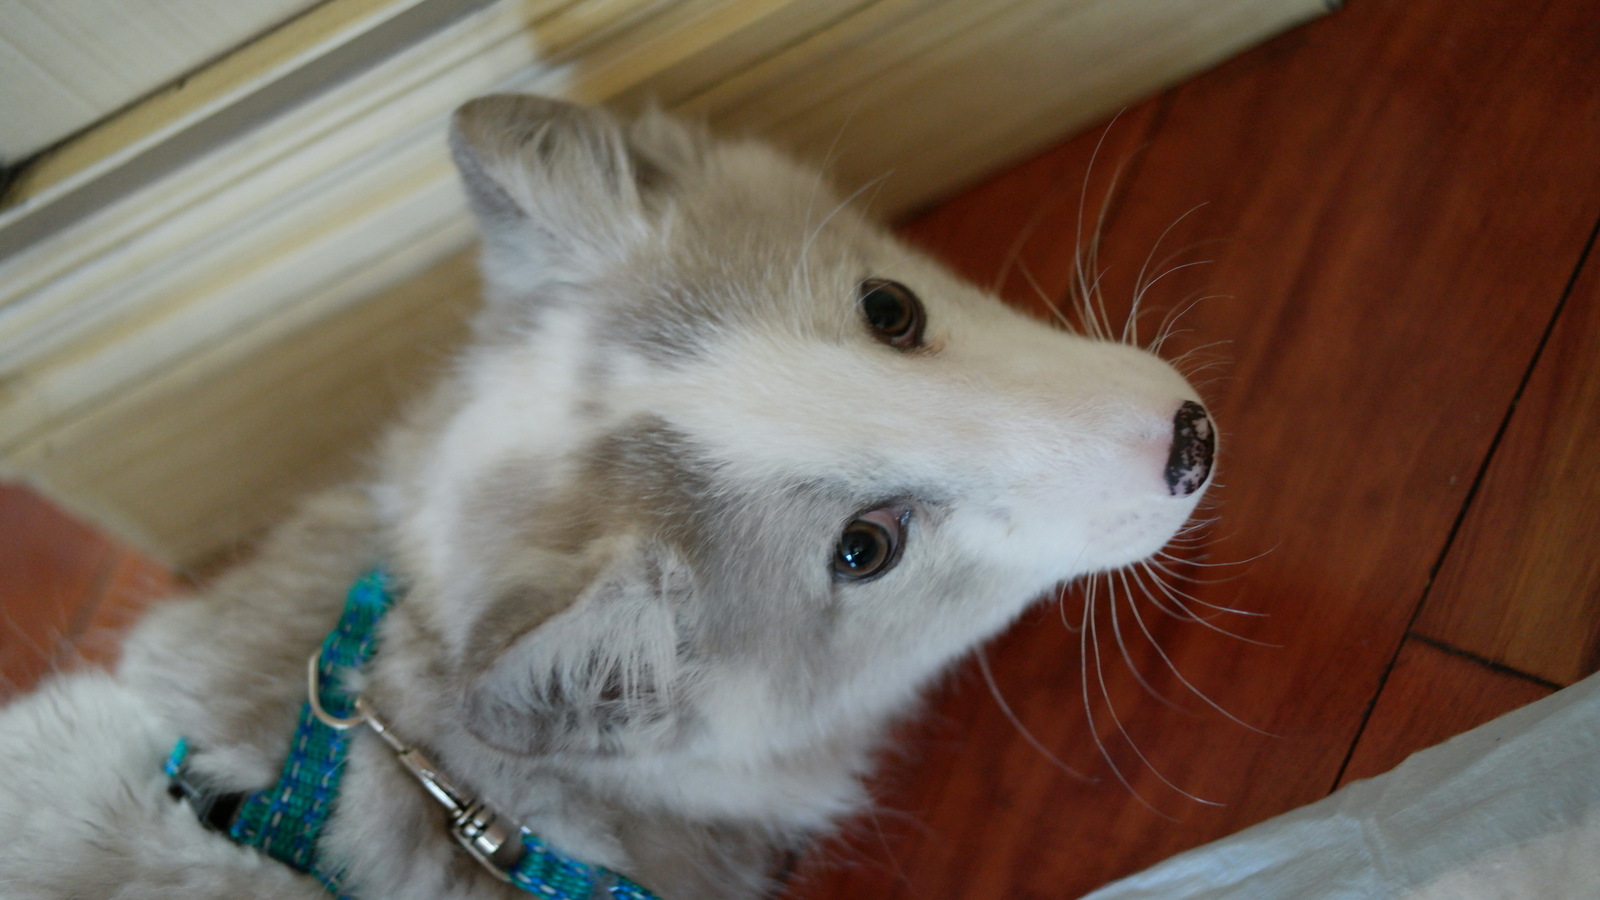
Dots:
(640, 480)
(671, 325)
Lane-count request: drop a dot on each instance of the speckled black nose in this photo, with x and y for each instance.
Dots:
(1194, 443)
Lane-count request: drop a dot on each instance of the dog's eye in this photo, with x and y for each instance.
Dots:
(894, 314)
(870, 544)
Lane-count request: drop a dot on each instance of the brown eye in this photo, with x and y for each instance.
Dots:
(893, 313)
(870, 543)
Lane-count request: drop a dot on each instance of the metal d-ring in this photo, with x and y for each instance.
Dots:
(314, 695)
(493, 841)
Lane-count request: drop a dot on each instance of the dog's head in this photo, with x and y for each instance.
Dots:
(729, 469)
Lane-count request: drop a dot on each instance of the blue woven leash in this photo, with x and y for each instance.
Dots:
(285, 821)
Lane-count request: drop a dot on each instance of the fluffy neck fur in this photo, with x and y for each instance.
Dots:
(228, 667)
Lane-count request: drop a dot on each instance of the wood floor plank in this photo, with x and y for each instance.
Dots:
(134, 582)
(51, 568)
(1433, 695)
(1521, 583)
(1402, 190)
(1015, 236)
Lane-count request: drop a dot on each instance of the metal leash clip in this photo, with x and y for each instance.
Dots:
(490, 839)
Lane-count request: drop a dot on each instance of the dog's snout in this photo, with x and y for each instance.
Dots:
(1194, 444)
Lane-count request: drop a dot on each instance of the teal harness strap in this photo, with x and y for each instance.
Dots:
(547, 873)
(286, 820)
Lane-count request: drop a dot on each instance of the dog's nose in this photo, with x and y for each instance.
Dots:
(1194, 443)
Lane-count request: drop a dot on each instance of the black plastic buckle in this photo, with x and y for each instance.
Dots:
(215, 811)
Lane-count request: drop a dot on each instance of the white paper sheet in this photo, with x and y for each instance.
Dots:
(1508, 810)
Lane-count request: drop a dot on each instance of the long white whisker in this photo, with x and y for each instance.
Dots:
(1161, 575)
(1098, 296)
(1199, 524)
(1061, 609)
(1086, 258)
(1132, 744)
(1044, 297)
(1192, 351)
(1016, 722)
(1079, 270)
(1175, 315)
(1189, 615)
(1014, 253)
(1204, 387)
(1144, 268)
(1191, 372)
(816, 188)
(1166, 267)
(1162, 554)
(805, 248)
(1176, 673)
(1138, 295)
(1097, 315)
(1181, 614)
(1086, 641)
(1139, 286)
(1086, 291)
(1161, 570)
(1127, 658)
(1191, 538)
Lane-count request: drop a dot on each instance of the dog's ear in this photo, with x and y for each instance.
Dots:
(600, 677)
(555, 185)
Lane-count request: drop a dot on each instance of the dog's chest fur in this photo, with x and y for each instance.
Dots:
(728, 475)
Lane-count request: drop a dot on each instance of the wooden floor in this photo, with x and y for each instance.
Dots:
(1392, 214)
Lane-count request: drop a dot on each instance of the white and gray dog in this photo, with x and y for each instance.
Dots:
(726, 476)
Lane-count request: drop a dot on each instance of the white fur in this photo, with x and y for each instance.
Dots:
(613, 525)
